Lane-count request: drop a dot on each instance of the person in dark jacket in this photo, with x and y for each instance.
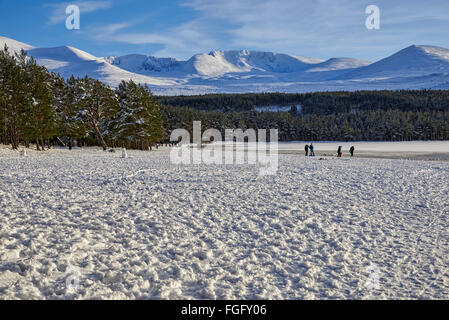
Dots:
(312, 152)
(306, 149)
(339, 152)
(352, 151)
(70, 144)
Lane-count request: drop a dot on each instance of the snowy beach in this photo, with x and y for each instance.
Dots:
(143, 228)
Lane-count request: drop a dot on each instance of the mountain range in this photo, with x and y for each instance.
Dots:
(415, 67)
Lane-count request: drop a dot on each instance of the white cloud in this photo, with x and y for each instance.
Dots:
(251, 24)
(319, 28)
(287, 24)
(179, 41)
(58, 10)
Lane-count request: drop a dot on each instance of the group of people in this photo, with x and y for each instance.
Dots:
(310, 151)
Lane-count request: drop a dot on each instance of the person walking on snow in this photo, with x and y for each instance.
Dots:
(312, 152)
(306, 148)
(352, 151)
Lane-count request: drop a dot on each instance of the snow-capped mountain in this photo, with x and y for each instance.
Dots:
(140, 63)
(68, 61)
(216, 63)
(415, 67)
(220, 63)
(414, 61)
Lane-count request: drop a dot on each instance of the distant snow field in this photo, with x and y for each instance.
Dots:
(86, 224)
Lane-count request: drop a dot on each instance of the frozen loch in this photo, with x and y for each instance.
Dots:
(86, 224)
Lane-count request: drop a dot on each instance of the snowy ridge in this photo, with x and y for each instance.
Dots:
(216, 63)
(13, 45)
(141, 63)
(415, 67)
(247, 61)
(339, 64)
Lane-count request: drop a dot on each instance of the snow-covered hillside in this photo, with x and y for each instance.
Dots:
(139, 63)
(334, 64)
(68, 61)
(413, 61)
(13, 45)
(416, 67)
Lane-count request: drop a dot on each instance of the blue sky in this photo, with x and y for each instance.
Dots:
(181, 28)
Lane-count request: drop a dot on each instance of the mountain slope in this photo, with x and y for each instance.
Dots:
(413, 61)
(334, 64)
(13, 45)
(67, 61)
(140, 63)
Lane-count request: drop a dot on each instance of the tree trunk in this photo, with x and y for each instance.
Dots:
(100, 137)
(14, 138)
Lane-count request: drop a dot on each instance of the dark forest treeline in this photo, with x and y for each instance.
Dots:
(323, 103)
(363, 115)
(40, 107)
(375, 125)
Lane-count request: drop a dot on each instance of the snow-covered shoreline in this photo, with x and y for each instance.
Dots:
(379, 146)
(406, 150)
(143, 228)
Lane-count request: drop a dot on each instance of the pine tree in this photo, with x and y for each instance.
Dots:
(70, 122)
(138, 121)
(96, 104)
(16, 95)
(42, 115)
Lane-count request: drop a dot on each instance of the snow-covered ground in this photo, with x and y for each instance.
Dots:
(142, 228)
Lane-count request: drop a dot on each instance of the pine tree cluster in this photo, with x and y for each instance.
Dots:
(37, 106)
(366, 125)
(330, 116)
